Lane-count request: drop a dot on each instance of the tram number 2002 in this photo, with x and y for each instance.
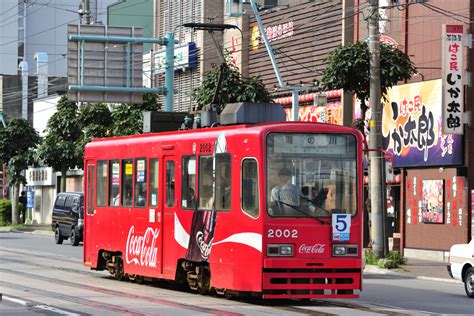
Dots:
(287, 233)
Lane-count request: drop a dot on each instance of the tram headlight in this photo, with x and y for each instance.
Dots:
(279, 250)
(345, 250)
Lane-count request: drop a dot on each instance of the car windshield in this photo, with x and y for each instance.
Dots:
(311, 175)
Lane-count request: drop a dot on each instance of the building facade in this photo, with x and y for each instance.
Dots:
(196, 45)
(29, 27)
(436, 170)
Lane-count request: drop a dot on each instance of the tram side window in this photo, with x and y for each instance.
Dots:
(114, 183)
(169, 183)
(250, 203)
(205, 182)
(140, 182)
(127, 180)
(223, 181)
(101, 193)
(188, 183)
(153, 182)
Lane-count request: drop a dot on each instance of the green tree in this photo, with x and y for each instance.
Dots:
(128, 118)
(17, 144)
(59, 147)
(96, 121)
(233, 88)
(348, 68)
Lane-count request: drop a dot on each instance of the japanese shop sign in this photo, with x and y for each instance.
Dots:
(40, 176)
(273, 32)
(412, 127)
(453, 90)
(184, 58)
(330, 113)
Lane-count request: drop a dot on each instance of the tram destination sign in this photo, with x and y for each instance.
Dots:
(313, 144)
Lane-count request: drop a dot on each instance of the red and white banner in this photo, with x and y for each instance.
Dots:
(452, 77)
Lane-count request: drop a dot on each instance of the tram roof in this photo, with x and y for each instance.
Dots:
(248, 128)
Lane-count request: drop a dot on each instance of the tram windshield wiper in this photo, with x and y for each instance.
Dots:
(304, 212)
(318, 206)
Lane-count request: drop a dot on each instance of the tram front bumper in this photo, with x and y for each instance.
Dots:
(303, 279)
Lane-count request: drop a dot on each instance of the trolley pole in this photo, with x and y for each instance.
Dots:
(377, 181)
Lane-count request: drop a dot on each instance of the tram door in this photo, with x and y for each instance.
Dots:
(88, 209)
(169, 204)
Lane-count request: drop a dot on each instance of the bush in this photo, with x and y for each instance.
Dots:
(5, 212)
(397, 257)
(394, 259)
(370, 257)
(387, 264)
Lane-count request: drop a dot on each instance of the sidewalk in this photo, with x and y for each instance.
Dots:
(419, 269)
(31, 229)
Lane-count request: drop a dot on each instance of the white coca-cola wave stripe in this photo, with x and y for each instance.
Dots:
(253, 240)
(180, 235)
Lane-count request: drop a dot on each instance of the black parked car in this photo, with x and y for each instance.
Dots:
(68, 217)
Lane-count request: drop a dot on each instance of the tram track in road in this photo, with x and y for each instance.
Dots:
(117, 293)
(77, 300)
(309, 308)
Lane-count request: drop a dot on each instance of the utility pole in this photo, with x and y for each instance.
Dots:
(376, 157)
(86, 11)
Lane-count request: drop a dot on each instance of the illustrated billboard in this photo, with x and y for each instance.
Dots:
(412, 127)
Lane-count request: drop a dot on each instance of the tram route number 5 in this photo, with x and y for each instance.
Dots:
(341, 227)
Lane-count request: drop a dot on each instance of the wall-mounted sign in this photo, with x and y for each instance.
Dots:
(273, 32)
(412, 127)
(330, 113)
(452, 74)
(30, 199)
(388, 40)
(184, 58)
(40, 176)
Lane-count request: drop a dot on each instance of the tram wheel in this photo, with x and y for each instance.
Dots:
(203, 280)
(139, 279)
(119, 273)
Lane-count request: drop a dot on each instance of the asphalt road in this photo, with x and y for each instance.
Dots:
(39, 277)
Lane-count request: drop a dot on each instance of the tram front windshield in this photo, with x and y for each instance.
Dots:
(311, 175)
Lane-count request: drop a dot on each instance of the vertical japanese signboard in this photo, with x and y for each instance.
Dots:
(453, 90)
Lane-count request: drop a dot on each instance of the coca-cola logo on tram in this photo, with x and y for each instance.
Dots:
(141, 249)
(205, 248)
(316, 248)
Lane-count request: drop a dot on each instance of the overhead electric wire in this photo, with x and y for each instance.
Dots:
(279, 48)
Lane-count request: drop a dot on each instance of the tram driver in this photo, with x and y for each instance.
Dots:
(284, 197)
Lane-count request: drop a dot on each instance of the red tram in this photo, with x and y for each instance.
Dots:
(212, 208)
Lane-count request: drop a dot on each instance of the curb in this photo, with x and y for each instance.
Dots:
(407, 275)
(33, 232)
(41, 232)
